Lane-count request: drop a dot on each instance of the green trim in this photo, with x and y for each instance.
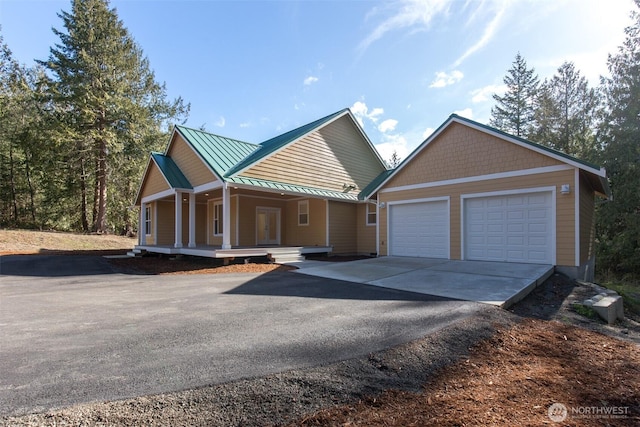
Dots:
(292, 188)
(171, 172)
(368, 190)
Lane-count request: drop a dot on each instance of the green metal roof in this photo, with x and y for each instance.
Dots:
(292, 188)
(366, 191)
(219, 152)
(171, 172)
(274, 144)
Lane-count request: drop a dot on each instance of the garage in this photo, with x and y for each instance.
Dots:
(419, 228)
(512, 228)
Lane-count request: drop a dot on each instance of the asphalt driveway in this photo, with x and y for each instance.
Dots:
(72, 330)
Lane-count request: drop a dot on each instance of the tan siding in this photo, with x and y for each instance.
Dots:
(328, 158)
(461, 151)
(343, 230)
(217, 240)
(313, 234)
(154, 182)
(565, 230)
(166, 223)
(201, 223)
(587, 221)
(189, 163)
(366, 233)
(247, 219)
(151, 238)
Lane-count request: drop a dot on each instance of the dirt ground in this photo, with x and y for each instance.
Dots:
(498, 368)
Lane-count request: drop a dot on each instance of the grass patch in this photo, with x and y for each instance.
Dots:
(628, 288)
(585, 311)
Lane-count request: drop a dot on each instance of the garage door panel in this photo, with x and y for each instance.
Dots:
(419, 229)
(516, 228)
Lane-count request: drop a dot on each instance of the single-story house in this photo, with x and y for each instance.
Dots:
(468, 192)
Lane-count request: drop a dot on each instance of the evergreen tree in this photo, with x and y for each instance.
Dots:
(20, 141)
(514, 111)
(567, 113)
(618, 228)
(110, 111)
(394, 160)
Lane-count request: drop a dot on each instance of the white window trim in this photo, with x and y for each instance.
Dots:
(148, 220)
(371, 209)
(216, 219)
(300, 204)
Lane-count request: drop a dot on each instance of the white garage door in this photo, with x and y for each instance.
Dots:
(514, 228)
(419, 229)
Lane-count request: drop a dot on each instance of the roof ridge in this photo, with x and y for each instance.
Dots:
(312, 125)
(215, 134)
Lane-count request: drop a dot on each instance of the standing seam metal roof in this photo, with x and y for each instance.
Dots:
(171, 171)
(219, 152)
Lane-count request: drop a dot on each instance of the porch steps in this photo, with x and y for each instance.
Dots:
(282, 255)
(136, 252)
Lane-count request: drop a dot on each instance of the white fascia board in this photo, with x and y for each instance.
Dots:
(160, 195)
(499, 175)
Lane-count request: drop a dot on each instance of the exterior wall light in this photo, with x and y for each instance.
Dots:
(565, 189)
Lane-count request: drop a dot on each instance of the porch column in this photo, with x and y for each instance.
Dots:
(226, 217)
(192, 220)
(142, 228)
(178, 242)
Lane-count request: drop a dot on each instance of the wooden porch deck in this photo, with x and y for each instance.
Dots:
(208, 251)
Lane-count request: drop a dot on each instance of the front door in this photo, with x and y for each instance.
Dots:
(268, 226)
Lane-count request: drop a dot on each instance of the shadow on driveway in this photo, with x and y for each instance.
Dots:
(54, 265)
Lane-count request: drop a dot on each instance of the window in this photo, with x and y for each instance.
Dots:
(371, 214)
(217, 219)
(303, 212)
(147, 220)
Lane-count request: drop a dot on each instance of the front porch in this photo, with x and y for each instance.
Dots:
(277, 253)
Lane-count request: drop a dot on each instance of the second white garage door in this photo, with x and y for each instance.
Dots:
(512, 228)
(419, 229)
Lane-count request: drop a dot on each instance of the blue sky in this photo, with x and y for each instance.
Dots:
(252, 70)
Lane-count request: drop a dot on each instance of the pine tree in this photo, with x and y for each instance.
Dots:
(618, 227)
(514, 111)
(566, 117)
(108, 105)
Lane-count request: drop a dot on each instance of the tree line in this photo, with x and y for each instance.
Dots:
(76, 129)
(597, 124)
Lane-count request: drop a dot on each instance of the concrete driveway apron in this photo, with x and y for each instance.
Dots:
(496, 283)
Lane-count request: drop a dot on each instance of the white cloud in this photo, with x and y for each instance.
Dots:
(310, 80)
(488, 34)
(467, 112)
(245, 125)
(361, 112)
(388, 125)
(412, 14)
(486, 93)
(220, 122)
(391, 144)
(427, 133)
(445, 79)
